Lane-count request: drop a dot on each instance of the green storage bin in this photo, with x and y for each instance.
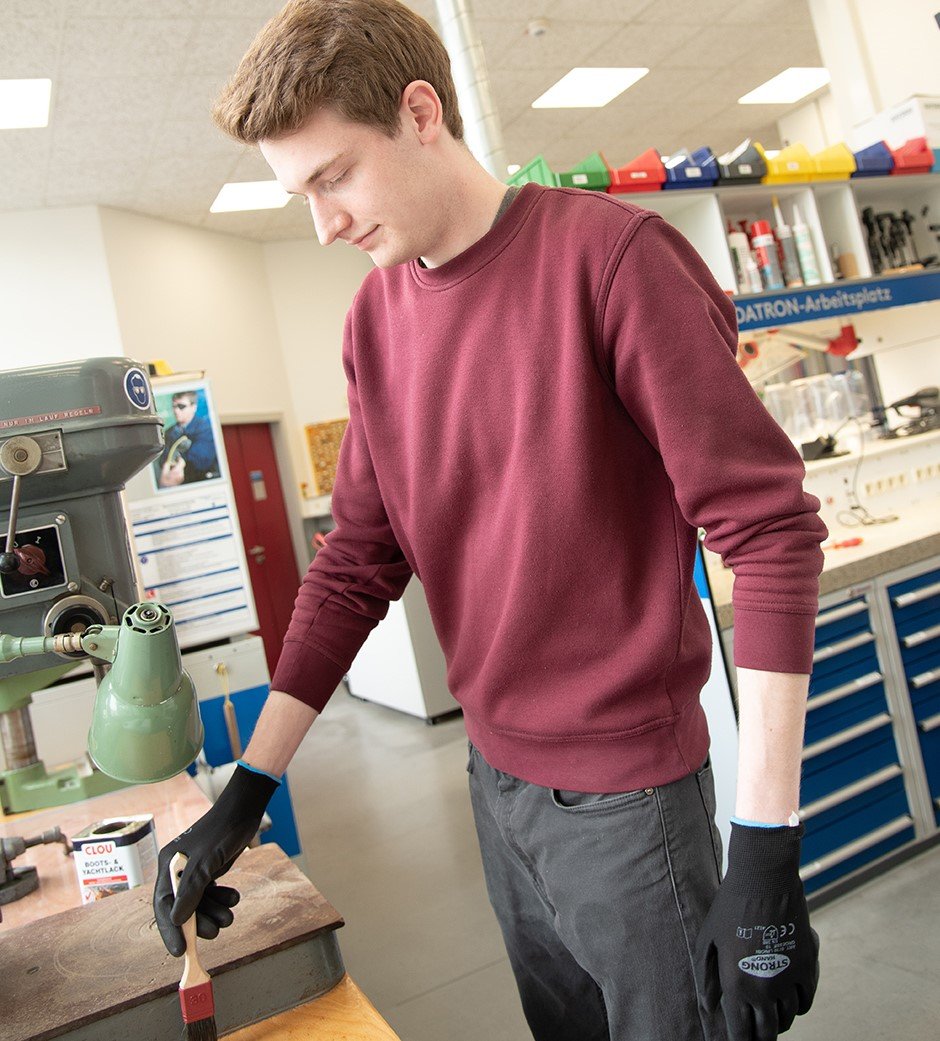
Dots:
(536, 170)
(591, 173)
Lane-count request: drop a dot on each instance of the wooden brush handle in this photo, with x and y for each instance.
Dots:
(193, 972)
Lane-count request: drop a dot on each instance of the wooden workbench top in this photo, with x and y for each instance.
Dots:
(78, 967)
(175, 804)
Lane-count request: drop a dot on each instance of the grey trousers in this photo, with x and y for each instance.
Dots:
(600, 898)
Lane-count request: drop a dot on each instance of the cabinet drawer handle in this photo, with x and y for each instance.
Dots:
(916, 595)
(843, 645)
(849, 792)
(838, 613)
(844, 736)
(837, 856)
(928, 724)
(925, 678)
(922, 637)
(837, 693)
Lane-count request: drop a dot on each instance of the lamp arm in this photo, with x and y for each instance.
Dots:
(99, 641)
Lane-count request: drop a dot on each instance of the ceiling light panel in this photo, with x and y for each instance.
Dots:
(789, 86)
(589, 88)
(24, 103)
(250, 195)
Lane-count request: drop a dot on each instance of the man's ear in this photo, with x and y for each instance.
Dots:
(421, 111)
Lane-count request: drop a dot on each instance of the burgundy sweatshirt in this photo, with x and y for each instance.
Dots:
(537, 429)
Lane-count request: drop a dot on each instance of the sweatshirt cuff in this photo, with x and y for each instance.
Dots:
(774, 641)
(307, 674)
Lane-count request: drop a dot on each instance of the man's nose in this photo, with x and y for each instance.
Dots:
(328, 221)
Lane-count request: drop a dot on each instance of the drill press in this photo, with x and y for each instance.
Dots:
(71, 435)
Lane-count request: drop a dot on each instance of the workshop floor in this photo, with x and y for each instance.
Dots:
(381, 800)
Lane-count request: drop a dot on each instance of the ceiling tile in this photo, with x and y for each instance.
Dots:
(567, 45)
(29, 48)
(686, 12)
(98, 145)
(188, 137)
(641, 46)
(126, 47)
(83, 99)
(133, 8)
(219, 44)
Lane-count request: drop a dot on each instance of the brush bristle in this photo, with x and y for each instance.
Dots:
(202, 1030)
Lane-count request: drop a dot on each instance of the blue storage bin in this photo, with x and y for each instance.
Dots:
(698, 169)
(874, 161)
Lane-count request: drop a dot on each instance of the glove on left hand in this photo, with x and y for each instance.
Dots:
(756, 955)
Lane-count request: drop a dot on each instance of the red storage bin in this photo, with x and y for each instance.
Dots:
(913, 157)
(646, 173)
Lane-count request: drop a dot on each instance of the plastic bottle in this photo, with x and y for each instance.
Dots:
(752, 274)
(805, 251)
(740, 251)
(765, 247)
(791, 262)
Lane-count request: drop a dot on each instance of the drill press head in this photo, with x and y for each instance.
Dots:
(71, 435)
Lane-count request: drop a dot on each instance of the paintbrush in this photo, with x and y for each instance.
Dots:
(196, 998)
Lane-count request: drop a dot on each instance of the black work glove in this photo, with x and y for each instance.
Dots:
(212, 844)
(756, 955)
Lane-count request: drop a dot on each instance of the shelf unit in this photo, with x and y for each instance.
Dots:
(832, 210)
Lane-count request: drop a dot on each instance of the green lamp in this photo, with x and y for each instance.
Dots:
(146, 725)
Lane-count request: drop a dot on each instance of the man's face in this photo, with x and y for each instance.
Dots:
(183, 410)
(361, 186)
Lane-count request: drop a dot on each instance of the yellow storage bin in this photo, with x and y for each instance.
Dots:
(835, 163)
(790, 165)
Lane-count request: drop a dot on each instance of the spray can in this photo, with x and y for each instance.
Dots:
(805, 251)
(740, 250)
(765, 247)
(791, 261)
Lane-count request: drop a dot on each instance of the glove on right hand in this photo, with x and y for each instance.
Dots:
(212, 844)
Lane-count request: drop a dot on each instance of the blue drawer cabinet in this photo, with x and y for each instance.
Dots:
(915, 609)
(854, 802)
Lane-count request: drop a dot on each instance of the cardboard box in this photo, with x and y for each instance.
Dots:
(115, 854)
(919, 116)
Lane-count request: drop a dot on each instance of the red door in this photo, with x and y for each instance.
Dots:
(265, 529)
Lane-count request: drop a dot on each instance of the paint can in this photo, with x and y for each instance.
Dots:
(115, 854)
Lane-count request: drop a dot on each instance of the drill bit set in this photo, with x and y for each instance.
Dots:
(890, 241)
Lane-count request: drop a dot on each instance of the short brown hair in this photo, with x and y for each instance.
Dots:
(357, 55)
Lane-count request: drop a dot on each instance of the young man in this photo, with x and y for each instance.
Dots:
(544, 407)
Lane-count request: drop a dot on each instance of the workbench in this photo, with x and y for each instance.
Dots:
(71, 995)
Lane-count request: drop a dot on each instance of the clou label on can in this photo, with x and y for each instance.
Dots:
(115, 854)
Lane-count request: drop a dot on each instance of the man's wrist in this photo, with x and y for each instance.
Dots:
(258, 770)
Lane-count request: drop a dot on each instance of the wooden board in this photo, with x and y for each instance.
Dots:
(75, 968)
(342, 1013)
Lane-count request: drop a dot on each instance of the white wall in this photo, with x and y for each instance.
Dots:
(312, 287)
(201, 300)
(902, 44)
(56, 298)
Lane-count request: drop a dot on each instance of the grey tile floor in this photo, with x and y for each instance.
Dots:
(385, 822)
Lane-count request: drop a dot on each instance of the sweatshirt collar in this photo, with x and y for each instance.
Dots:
(484, 249)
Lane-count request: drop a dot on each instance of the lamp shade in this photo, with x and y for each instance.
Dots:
(146, 725)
